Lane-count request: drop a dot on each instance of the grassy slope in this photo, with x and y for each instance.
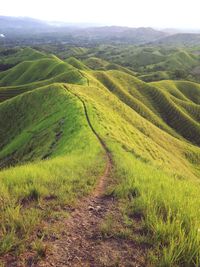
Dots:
(154, 76)
(154, 104)
(76, 63)
(143, 127)
(178, 60)
(32, 71)
(29, 75)
(185, 90)
(22, 54)
(155, 171)
(48, 121)
(150, 62)
(154, 164)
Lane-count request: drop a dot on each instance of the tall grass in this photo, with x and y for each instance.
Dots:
(32, 192)
(168, 206)
(157, 180)
(48, 184)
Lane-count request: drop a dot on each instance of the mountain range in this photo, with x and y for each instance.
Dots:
(18, 29)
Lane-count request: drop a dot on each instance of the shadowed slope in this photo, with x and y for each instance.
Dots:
(154, 103)
(76, 63)
(17, 55)
(34, 123)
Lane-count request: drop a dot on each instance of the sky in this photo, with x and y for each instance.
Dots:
(135, 13)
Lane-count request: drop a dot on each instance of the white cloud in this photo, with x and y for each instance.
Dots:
(156, 13)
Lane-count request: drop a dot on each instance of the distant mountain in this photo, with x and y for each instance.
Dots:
(17, 29)
(177, 30)
(20, 23)
(181, 39)
(7, 22)
(119, 34)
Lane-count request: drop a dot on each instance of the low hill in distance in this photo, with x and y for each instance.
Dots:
(180, 39)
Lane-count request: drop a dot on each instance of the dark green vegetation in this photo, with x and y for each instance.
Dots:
(50, 157)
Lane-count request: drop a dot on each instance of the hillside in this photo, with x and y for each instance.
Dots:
(117, 34)
(96, 164)
(38, 70)
(150, 63)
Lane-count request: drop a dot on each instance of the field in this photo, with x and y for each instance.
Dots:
(68, 119)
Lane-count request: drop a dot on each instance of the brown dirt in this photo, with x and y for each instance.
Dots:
(82, 242)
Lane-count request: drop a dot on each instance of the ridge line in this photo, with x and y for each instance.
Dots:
(98, 191)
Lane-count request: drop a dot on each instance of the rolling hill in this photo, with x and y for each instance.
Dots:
(67, 123)
(148, 62)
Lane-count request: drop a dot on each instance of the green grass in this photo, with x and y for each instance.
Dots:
(154, 104)
(33, 192)
(95, 63)
(36, 133)
(76, 63)
(37, 70)
(62, 179)
(155, 76)
(169, 208)
(157, 172)
(188, 91)
(22, 54)
(149, 62)
(151, 129)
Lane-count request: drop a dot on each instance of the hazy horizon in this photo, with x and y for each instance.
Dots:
(93, 24)
(157, 14)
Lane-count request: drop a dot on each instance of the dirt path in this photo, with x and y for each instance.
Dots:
(100, 189)
(81, 242)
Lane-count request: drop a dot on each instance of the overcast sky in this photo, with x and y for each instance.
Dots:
(154, 13)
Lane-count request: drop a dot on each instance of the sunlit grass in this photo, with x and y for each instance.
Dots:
(145, 128)
(168, 206)
(35, 191)
(153, 180)
(24, 189)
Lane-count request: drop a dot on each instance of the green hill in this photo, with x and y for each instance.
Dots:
(155, 76)
(13, 56)
(76, 63)
(96, 63)
(33, 71)
(152, 103)
(57, 134)
(151, 63)
(50, 156)
(180, 39)
(36, 137)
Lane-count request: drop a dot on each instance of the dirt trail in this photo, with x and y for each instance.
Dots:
(81, 243)
(100, 189)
